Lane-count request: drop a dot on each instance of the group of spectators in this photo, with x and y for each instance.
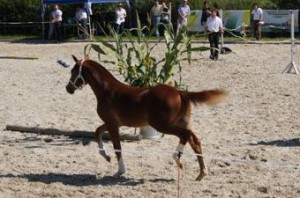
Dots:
(160, 13)
(213, 24)
(81, 19)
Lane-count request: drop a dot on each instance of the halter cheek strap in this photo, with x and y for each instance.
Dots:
(79, 77)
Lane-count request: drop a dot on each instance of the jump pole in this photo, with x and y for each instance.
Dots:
(292, 65)
(69, 133)
(19, 57)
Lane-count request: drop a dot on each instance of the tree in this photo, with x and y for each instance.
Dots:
(288, 4)
(19, 10)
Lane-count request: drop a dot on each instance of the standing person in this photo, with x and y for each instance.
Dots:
(121, 14)
(165, 17)
(205, 13)
(56, 20)
(82, 18)
(155, 15)
(184, 11)
(257, 16)
(51, 25)
(165, 14)
(214, 28)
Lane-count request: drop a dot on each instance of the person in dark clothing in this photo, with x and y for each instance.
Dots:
(165, 18)
(57, 20)
(205, 13)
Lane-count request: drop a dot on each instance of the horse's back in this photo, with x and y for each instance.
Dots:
(165, 94)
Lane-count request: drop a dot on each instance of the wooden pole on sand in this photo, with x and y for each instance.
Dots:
(70, 133)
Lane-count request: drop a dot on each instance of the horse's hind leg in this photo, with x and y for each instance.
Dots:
(183, 134)
(99, 132)
(179, 150)
(196, 146)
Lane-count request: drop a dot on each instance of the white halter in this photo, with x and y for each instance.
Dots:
(79, 76)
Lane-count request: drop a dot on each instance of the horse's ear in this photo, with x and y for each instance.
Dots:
(75, 59)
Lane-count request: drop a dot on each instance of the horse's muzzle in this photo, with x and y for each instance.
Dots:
(70, 89)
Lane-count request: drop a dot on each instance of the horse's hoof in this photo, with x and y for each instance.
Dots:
(179, 164)
(107, 158)
(201, 176)
(118, 175)
(103, 154)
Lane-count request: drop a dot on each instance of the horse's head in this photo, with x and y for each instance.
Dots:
(77, 80)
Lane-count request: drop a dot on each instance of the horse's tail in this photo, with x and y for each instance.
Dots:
(209, 97)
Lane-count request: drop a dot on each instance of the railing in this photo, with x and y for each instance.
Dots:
(35, 29)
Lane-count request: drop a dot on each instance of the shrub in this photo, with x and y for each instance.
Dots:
(135, 60)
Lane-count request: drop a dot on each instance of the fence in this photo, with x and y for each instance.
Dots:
(33, 29)
(20, 28)
(276, 22)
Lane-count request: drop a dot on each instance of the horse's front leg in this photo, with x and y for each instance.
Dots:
(115, 137)
(99, 132)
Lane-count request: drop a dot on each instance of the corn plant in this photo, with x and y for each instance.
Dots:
(134, 57)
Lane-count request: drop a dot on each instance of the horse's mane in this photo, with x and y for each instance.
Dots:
(101, 72)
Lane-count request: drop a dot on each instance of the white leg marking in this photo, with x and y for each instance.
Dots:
(179, 150)
(177, 154)
(121, 168)
(102, 150)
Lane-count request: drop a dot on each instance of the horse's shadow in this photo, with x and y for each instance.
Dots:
(281, 143)
(83, 179)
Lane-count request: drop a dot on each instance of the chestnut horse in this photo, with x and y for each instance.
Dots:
(163, 107)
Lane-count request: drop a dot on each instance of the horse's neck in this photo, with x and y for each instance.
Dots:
(101, 79)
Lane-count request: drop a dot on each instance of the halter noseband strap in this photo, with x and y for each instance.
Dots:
(79, 76)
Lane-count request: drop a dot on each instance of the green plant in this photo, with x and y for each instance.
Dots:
(135, 60)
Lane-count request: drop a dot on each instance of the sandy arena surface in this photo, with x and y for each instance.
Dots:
(251, 141)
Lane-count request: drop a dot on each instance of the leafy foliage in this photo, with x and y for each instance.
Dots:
(19, 10)
(135, 60)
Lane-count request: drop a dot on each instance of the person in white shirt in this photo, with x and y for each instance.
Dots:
(121, 14)
(214, 27)
(183, 12)
(56, 19)
(257, 20)
(82, 18)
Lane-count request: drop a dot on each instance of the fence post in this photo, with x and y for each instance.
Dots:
(292, 64)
